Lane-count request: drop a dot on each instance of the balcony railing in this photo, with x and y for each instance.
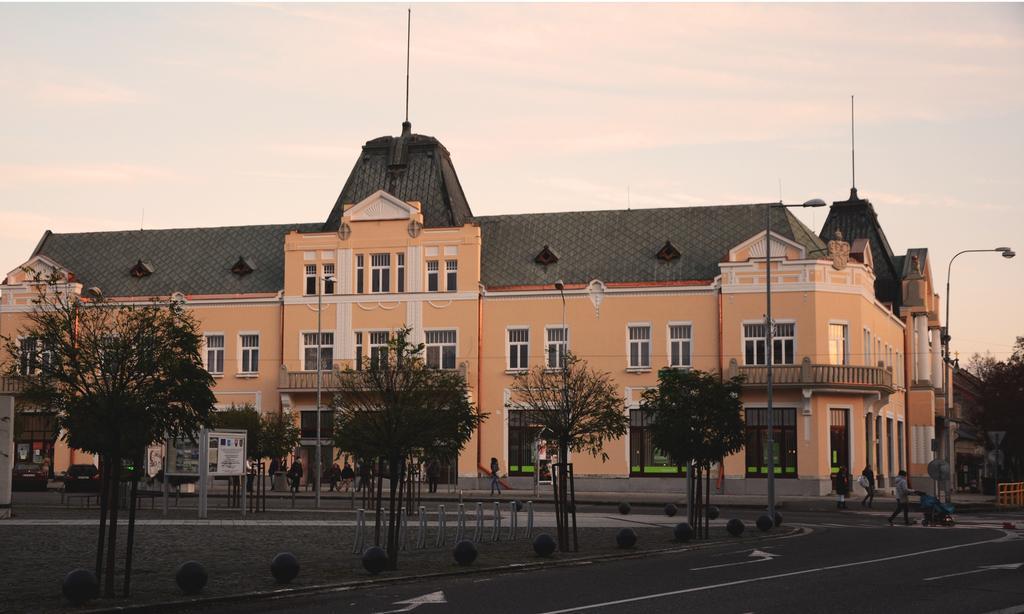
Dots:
(808, 374)
(9, 385)
(305, 380)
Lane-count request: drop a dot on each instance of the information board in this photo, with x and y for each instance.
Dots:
(183, 457)
(226, 453)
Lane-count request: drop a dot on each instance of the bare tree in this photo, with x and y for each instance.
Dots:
(579, 409)
(395, 408)
(117, 377)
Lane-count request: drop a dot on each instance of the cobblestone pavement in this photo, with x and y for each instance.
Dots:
(238, 557)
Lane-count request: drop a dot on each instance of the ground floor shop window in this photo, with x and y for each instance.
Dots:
(522, 444)
(839, 438)
(784, 436)
(644, 458)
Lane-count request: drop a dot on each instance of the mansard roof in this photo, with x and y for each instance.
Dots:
(857, 219)
(413, 167)
(622, 245)
(194, 261)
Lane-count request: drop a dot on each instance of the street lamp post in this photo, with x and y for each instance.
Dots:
(947, 361)
(769, 342)
(563, 446)
(317, 471)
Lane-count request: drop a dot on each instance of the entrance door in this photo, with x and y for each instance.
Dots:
(839, 437)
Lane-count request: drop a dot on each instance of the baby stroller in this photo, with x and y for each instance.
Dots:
(936, 512)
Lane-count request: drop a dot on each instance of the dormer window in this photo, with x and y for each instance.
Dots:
(141, 269)
(668, 252)
(242, 267)
(546, 257)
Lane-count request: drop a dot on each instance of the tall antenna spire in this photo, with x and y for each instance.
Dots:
(853, 157)
(408, 42)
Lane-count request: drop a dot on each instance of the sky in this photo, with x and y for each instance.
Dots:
(164, 116)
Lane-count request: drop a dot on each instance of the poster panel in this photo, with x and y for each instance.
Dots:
(183, 457)
(226, 453)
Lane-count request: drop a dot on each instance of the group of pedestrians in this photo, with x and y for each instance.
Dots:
(867, 482)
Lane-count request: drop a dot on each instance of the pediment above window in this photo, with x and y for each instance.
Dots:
(381, 206)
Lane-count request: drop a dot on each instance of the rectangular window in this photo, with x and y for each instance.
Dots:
(28, 356)
(783, 439)
(523, 448)
(400, 258)
(441, 349)
(310, 279)
(360, 273)
(215, 354)
(639, 347)
(250, 353)
(839, 438)
(837, 344)
(867, 348)
(329, 279)
(309, 351)
(899, 444)
(878, 444)
(307, 424)
(755, 347)
(432, 275)
(359, 351)
(518, 349)
(644, 458)
(679, 339)
(451, 271)
(378, 348)
(889, 445)
(558, 345)
(380, 272)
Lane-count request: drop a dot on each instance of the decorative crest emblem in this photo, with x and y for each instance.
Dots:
(839, 252)
(415, 228)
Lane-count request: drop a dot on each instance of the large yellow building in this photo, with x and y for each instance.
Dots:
(856, 341)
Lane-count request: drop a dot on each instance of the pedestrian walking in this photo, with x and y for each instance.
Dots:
(334, 476)
(902, 498)
(295, 475)
(250, 474)
(433, 474)
(347, 475)
(495, 478)
(365, 475)
(867, 481)
(842, 487)
(275, 466)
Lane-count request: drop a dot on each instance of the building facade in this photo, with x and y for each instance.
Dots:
(855, 346)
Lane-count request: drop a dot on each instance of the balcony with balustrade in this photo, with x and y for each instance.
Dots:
(815, 375)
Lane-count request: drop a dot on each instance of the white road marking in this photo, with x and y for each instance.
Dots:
(1009, 566)
(789, 574)
(415, 602)
(760, 556)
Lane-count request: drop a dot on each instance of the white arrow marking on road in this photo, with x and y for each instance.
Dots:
(415, 602)
(1010, 566)
(759, 556)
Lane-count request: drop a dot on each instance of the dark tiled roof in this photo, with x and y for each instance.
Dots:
(410, 167)
(188, 260)
(856, 218)
(622, 245)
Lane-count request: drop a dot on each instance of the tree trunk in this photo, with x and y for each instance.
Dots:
(131, 535)
(104, 498)
(707, 521)
(115, 483)
(377, 515)
(394, 545)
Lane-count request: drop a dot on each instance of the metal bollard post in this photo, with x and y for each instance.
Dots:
(512, 521)
(403, 529)
(478, 534)
(441, 526)
(421, 539)
(460, 524)
(529, 520)
(496, 531)
(360, 538)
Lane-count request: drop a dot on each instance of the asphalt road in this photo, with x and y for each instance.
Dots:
(843, 562)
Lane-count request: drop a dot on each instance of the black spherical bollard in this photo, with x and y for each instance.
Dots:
(764, 522)
(735, 527)
(80, 586)
(284, 567)
(191, 577)
(683, 532)
(518, 505)
(626, 538)
(778, 519)
(713, 512)
(464, 553)
(670, 509)
(624, 507)
(375, 560)
(544, 545)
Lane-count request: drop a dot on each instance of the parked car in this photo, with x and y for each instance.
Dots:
(29, 476)
(82, 478)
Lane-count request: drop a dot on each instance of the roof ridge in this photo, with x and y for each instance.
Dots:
(177, 229)
(630, 210)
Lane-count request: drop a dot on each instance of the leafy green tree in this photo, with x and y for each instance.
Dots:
(117, 376)
(241, 418)
(397, 408)
(578, 409)
(696, 418)
(1000, 408)
(278, 435)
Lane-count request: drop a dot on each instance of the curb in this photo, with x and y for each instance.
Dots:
(785, 532)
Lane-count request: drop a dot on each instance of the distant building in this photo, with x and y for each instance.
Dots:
(856, 345)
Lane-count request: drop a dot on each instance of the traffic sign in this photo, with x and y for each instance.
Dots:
(995, 457)
(996, 437)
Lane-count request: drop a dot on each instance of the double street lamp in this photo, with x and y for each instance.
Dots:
(769, 342)
(948, 400)
(316, 468)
